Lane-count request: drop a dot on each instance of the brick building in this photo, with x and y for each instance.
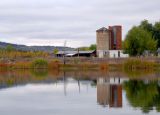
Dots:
(109, 42)
(115, 37)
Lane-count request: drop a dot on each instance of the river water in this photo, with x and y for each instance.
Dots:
(73, 93)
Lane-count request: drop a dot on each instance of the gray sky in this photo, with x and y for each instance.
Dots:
(51, 22)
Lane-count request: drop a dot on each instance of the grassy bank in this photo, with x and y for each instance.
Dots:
(55, 64)
(139, 64)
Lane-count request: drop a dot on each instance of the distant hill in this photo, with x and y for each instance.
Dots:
(34, 48)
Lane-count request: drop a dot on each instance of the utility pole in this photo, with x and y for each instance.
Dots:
(78, 53)
(64, 83)
(64, 52)
(78, 57)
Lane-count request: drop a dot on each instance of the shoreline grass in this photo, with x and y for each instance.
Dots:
(55, 64)
(139, 64)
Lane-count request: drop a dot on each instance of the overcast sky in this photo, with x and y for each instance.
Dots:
(51, 22)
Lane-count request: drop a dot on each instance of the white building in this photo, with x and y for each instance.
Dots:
(111, 54)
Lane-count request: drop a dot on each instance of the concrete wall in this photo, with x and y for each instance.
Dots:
(102, 53)
(111, 54)
(103, 43)
(103, 40)
(117, 54)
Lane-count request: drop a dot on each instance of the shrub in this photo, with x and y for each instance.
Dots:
(39, 64)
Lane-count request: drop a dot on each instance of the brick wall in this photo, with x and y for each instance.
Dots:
(115, 33)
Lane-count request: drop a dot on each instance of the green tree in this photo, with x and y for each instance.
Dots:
(156, 33)
(146, 26)
(83, 49)
(55, 51)
(93, 47)
(154, 29)
(10, 48)
(137, 41)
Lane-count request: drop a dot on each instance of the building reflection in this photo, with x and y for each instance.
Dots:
(109, 92)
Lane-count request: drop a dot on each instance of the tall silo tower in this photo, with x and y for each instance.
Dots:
(116, 37)
(103, 41)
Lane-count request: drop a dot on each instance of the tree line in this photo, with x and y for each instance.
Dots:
(141, 38)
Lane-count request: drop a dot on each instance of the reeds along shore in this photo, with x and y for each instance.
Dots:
(140, 64)
(128, 64)
(54, 64)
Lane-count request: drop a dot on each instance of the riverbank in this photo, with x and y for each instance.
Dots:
(103, 64)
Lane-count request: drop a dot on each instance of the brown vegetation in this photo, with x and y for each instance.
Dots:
(21, 54)
(139, 64)
(104, 66)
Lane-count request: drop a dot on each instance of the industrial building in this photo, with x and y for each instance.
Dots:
(91, 53)
(109, 42)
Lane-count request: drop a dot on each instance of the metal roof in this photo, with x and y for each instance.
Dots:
(75, 52)
(102, 29)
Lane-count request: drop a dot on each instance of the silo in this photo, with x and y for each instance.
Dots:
(103, 40)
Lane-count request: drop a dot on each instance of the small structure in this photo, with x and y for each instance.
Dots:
(147, 53)
(113, 54)
(158, 52)
(76, 53)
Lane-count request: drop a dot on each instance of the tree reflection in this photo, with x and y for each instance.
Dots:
(143, 94)
(40, 72)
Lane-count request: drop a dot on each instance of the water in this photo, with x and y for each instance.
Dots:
(77, 93)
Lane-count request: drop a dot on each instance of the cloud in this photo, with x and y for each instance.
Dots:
(51, 22)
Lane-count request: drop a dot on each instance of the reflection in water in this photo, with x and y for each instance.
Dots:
(109, 92)
(39, 72)
(78, 90)
(144, 94)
